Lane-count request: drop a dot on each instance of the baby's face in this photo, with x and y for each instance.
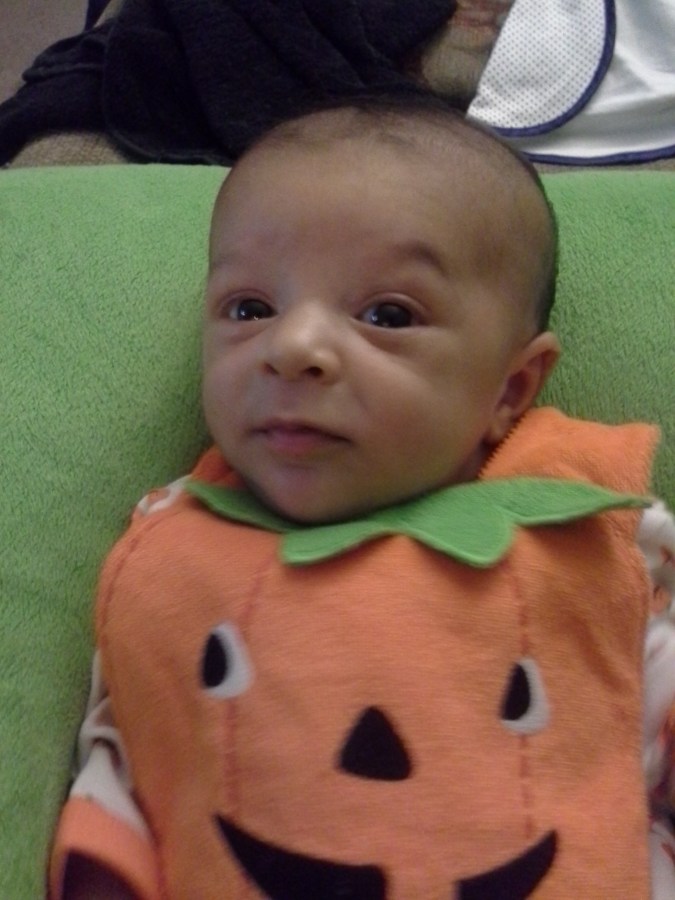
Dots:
(357, 337)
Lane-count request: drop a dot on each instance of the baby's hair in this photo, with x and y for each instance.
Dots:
(409, 117)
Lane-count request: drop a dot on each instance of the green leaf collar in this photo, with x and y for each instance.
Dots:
(474, 523)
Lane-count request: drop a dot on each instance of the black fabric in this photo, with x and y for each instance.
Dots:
(374, 749)
(283, 875)
(94, 10)
(515, 880)
(62, 91)
(518, 697)
(198, 80)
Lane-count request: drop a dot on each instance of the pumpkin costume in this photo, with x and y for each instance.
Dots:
(383, 711)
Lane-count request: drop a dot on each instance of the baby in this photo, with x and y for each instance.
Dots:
(386, 641)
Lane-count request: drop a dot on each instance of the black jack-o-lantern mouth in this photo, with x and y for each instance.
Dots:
(284, 875)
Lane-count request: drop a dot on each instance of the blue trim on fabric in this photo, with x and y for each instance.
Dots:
(636, 156)
(587, 94)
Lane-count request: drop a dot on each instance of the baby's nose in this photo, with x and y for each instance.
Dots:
(303, 344)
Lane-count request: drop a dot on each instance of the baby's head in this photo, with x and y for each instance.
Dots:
(380, 280)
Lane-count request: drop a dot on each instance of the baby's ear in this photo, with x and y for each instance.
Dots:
(527, 376)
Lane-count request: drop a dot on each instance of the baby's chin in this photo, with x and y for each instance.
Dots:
(313, 512)
(329, 510)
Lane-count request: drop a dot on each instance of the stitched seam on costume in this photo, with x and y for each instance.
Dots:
(234, 786)
(525, 768)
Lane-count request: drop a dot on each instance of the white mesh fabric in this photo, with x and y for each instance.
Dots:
(544, 60)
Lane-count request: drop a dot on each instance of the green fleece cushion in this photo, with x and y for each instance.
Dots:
(101, 274)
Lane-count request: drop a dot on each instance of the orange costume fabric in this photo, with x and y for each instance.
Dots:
(389, 723)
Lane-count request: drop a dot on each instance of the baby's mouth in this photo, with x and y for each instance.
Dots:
(297, 440)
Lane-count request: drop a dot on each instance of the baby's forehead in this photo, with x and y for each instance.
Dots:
(487, 197)
(470, 159)
(357, 166)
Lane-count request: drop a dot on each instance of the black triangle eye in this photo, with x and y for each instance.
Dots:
(524, 706)
(225, 667)
(374, 750)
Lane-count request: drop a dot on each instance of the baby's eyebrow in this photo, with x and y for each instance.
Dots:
(224, 258)
(228, 258)
(419, 251)
(414, 250)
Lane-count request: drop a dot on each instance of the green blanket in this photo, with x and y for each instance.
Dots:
(101, 276)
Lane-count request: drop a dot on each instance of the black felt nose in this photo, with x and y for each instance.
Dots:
(373, 749)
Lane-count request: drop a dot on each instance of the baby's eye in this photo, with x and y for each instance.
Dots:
(388, 315)
(249, 309)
